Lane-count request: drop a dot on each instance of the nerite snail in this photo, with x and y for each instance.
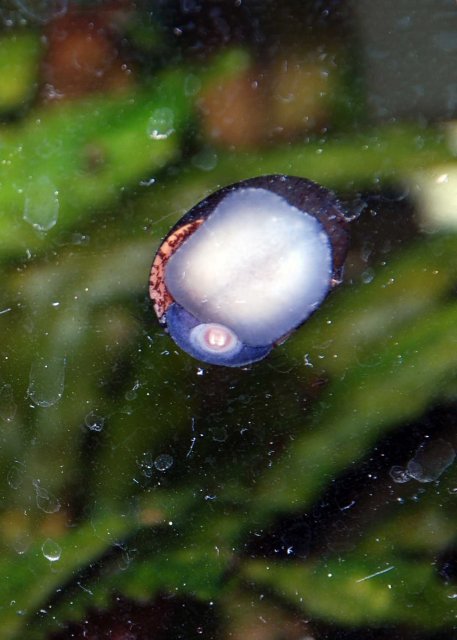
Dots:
(247, 265)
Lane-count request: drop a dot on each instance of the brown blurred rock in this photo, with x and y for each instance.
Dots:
(258, 620)
(299, 96)
(279, 101)
(83, 55)
(234, 112)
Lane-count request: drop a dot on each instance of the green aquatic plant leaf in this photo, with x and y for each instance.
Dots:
(29, 580)
(19, 53)
(64, 165)
(361, 406)
(387, 154)
(355, 320)
(358, 590)
(80, 156)
(350, 415)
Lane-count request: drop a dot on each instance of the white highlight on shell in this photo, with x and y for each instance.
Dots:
(214, 338)
(257, 265)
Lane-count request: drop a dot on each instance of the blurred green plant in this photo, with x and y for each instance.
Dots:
(377, 382)
(20, 54)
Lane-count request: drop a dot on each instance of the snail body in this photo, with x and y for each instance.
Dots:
(247, 265)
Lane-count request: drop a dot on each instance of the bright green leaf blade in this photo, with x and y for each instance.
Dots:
(360, 591)
(20, 55)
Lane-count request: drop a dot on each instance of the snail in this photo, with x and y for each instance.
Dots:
(248, 265)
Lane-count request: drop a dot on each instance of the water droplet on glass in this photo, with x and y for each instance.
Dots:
(219, 434)
(94, 422)
(367, 276)
(22, 543)
(146, 464)
(41, 205)
(45, 500)
(161, 124)
(124, 560)
(7, 404)
(206, 160)
(431, 460)
(192, 85)
(42, 10)
(79, 239)
(147, 183)
(399, 474)
(163, 462)
(51, 550)
(15, 475)
(46, 381)
(132, 393)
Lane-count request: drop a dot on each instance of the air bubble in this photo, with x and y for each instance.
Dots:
(161, 124)
(51, 550)
(41, 205)
(163, 462)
